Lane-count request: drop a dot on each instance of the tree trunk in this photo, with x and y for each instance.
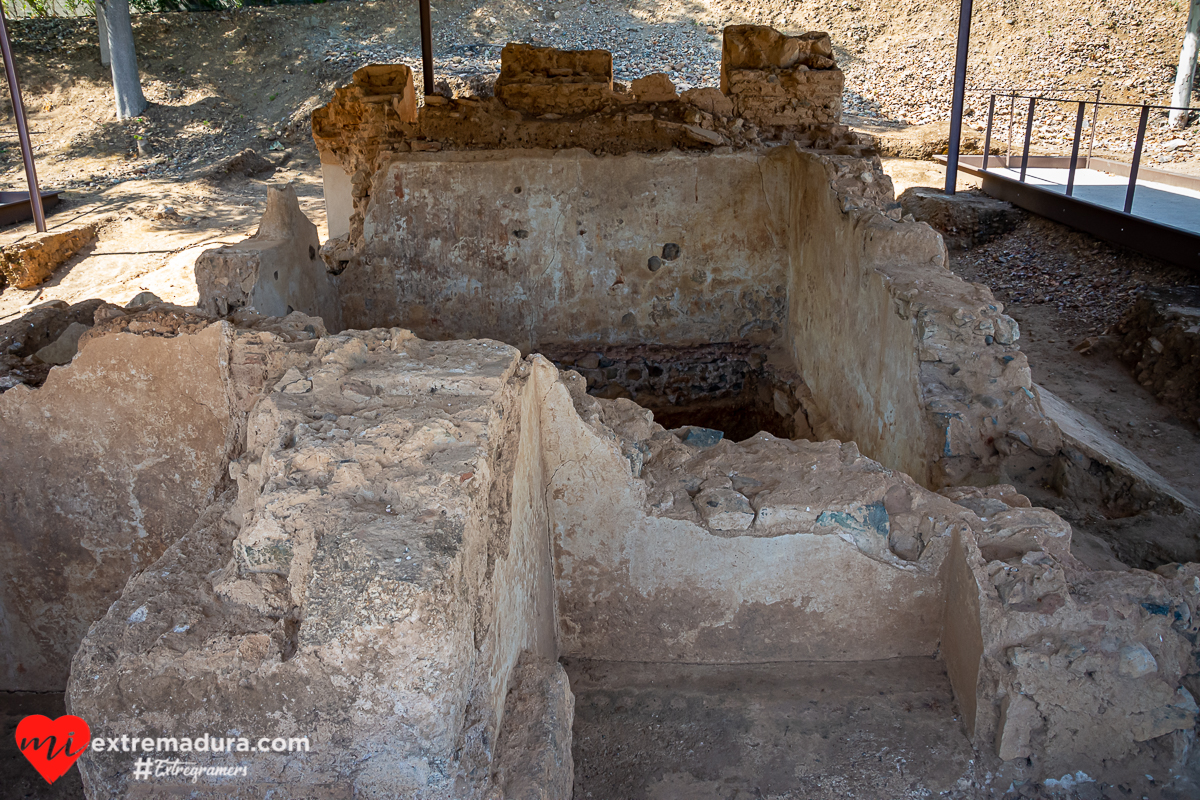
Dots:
(126, 84)
(102, 32)
(1182, 96)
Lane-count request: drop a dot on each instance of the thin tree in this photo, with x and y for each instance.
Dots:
(1182, 96)
(102, 32)
(127, 86)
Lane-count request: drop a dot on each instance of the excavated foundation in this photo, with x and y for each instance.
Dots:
(640, 450)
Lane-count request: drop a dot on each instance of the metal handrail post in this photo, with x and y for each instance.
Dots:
(14, 88)
(1012, 113)
(987, 138)
(1095, 115)
(1075, 148)
(1137, 157)
(959, 97)
(1028, 137)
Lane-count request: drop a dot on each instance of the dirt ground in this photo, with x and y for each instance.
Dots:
(788, 731)
(136, 252)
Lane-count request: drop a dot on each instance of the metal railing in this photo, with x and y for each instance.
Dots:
(1081, 109)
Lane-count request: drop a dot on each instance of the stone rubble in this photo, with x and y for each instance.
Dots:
(31, 261)
(1160, 342)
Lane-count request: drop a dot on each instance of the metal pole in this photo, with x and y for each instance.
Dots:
(1095, 114)
(960, 88)
(1028, 137)
(14, 90)
(427, 45)
(1012, 115)
(1075, 148)
(1137, 157)
(987, 139)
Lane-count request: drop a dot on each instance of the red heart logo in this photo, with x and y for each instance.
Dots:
(49, 744)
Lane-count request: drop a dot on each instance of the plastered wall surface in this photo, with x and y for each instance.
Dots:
(805, 573)
(540, 248)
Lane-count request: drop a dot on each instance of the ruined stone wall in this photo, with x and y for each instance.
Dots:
(560, 251)
(917, 366)
(773, 88)
(419, 529)
(275, 272)
(106, 465)
(372, 583)
(767, 550)
(543, 249)
(1071, 668)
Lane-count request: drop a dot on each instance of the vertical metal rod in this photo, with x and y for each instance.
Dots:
(1137, 157)
(1028, 137)
(427, 45)
(1075, 148)
(1095, 114)
(1012, 114)
(14, 90)
(987, 138)
(960, 88)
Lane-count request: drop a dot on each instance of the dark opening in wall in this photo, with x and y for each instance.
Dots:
(736, 389)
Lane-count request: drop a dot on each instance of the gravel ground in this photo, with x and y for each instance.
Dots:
(1089, 282)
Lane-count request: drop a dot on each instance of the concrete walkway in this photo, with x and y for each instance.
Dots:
(1167, 205)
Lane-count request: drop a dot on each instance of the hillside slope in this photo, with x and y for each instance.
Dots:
(222, 81)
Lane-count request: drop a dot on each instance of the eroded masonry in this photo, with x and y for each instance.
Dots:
(604, 407)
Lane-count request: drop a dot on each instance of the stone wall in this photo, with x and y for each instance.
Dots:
(543, 249)
(560, 100)
(766, 550)
(372, 583)
(917, 366)
(102, 474)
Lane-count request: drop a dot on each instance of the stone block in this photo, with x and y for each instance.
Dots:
(63, 349)
(656, 88)
(762, 48)
(778, 81)
(709, 100)
(533, 753)
(374, 609)
(393, 82)
(964, 219)
(275, 272)
(31, 261)
(1019, 718)
(543, 80)
(111, 476)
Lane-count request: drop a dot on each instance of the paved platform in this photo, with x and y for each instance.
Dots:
(1164, 204)
(1164, 221)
